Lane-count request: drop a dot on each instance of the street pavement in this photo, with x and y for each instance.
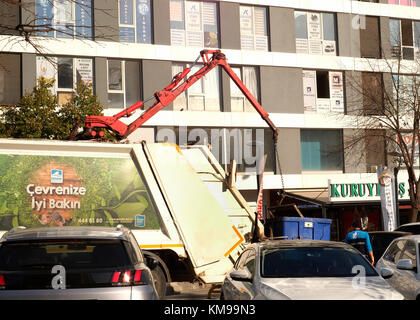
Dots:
(191, 291)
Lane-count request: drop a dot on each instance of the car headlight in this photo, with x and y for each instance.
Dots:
(269, 293)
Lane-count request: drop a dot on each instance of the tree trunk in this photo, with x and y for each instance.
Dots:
(415, 212)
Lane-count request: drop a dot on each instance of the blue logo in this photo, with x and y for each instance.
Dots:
(140, 221)
(57, 176)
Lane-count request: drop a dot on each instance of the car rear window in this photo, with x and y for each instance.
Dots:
(302, 262)
(72, 254)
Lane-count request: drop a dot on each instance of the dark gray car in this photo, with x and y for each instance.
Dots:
(73, 263)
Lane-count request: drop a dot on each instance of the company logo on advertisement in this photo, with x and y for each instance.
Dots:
(57, 176)
(140, 221)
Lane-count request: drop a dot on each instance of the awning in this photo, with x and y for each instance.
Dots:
(318, 196)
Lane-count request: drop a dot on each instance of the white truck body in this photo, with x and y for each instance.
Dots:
(201, 218)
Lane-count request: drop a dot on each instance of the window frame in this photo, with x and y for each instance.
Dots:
(254, 33)
(401, 46)
(134, 25)
(204, 84)
(322, 32)
(330, 75)
(58, 90)
(187, 29)
(122, 90)
(341, 143)
(55, 23)
(241, 96)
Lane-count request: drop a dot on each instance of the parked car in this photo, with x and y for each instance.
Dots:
(304, 270)
(400, 263)
(380, 240)
(413, 228)
(74, 263)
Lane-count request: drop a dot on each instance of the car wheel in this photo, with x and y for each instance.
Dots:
(160, 281)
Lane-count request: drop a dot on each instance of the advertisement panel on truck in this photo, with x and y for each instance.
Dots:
(38, 190)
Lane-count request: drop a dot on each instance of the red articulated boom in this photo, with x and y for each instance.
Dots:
(210, 59)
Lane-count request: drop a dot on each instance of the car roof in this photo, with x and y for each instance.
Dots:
(415, 237)
(389, 232)
(21, 233)
(409, 224)
(301, 243)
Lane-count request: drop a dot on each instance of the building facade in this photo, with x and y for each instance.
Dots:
(298, 58)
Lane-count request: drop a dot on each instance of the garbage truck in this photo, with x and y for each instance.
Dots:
(181, 205)
(177, 200)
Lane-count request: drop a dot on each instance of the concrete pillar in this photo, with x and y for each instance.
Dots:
(281, 89)
(230, 36)
(282, 29)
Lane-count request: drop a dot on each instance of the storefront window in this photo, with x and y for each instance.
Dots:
(135, 19)
(321, 150)
(68, 18)
(194, 23)
(254, 31)
(316, 33)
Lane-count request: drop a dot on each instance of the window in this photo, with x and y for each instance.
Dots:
(194, 23)
(249, 76)
(135, 19)
(311, 262)
(69, 18)
(254, 30)
(316, 33)
(67, 72)
(322, 150)
(123, 83)
(323, 91)
(204, 95)
(410, 253)
(405, 38)
(250, 262)
(393, 253)
(413, 3)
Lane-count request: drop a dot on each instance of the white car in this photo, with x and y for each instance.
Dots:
(305, 270)
(399, 263)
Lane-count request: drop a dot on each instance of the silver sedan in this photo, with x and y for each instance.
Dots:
(399, 265)
(304, 270)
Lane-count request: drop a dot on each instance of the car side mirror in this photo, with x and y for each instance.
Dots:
(405, 264)
(241, 275)
(386, 273)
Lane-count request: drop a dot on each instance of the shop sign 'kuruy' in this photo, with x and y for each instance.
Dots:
(339, 191)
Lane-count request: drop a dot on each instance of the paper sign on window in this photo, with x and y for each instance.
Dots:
(309, 91)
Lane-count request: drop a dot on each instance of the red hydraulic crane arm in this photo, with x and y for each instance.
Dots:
(170, 93)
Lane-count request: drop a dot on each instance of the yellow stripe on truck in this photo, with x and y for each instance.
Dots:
(237, 243)
(161, 246)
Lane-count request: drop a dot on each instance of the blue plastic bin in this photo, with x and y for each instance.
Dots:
(303, 228)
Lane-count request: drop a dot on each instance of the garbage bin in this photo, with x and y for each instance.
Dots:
(301, 228)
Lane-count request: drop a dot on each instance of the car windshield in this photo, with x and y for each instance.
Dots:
(73, 254)
(303, 262)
